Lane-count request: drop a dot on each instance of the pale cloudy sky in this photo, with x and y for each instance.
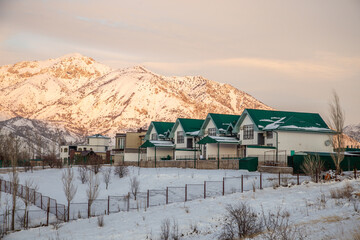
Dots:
(288, 54)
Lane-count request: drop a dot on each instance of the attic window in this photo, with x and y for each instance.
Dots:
(212, 131)
(154, 136)
(269, 135)
(180, 137)
(249, 131)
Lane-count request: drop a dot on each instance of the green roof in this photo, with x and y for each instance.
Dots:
(190, 126)
(163, 127)
(269, 120)
(224, 120)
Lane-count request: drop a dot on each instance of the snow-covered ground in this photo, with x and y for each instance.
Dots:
(310, 205)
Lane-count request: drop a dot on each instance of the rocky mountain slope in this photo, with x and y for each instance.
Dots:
(353, 131)
(87, 97)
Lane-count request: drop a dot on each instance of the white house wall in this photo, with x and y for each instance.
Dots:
(179, 145)
(299, 141)
(254, 141)
(99, 141)
(209, 125)
(225, 149)
(151, 133)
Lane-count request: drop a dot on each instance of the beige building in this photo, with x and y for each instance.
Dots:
(127, 145)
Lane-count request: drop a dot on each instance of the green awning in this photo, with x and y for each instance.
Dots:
(160, 144)
(215, 139)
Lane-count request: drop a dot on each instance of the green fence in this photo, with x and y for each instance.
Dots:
(348, 164)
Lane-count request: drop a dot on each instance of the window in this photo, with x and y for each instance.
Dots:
(180, 137)
(60, 149)
(80, 149)
(248, 131)
(269, 135)
(212, 131)
(154, 136)
(121, 143)
(65, 149)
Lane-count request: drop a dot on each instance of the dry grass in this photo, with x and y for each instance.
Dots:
(345, 192)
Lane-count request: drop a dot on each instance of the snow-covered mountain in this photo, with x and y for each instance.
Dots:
(35, 134)
(87, 97)
(353, 131)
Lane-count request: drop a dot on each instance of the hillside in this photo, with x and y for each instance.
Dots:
(87, 97)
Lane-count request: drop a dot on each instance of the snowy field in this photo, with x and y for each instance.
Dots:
(310, 205)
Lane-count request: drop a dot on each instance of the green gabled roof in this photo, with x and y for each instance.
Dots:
(191, 126)
(268, 120)
(163, 127)
(222, 121)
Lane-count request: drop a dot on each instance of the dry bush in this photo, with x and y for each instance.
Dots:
(52, 161)
(121, 170)
(168, 232)
(278, 226)
(95, 162)
(241, 221)
(312, 165)
(100, 221)
(345, 192)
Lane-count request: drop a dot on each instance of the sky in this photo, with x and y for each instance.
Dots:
(289, 54)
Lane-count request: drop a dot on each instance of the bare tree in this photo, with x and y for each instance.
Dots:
(107, 176)
(336, 122)
(95, 162)
(83, 173)
(134, 186)
(93, 190)
(69, 187)
(13, 146)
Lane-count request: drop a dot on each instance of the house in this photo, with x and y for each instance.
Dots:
(127, 145)
(218, 140)
(65, 152)
(185, 133)
(158, 143)
(274, 135)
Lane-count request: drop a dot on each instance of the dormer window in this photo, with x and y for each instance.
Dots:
(212, 131)
(180, 137)
(248, 132)
(154, 136)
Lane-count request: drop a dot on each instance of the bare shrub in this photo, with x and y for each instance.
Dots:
(121, 170)
(95, 162)
(134, 186)
(241, 221)
(100, 221)
(165, 229)
(68, 187)
(83, 173)
(175, 235)
(278, 226)
(93, 190)
(107, 176)
(345, 192)
(52, 160)
(312, 165)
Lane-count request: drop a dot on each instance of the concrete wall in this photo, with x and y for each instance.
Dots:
(187, 154)
(133, 139)
(224, 149)
(131, 156)
(160, 152)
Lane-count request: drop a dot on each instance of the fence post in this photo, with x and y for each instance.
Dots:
(260, 180)
(0, 184)
(223, 186)
(355, 172)
(316, 177)
(41, 200)
(242, 183)
(298, 179)
(185, 192)
(34, 197)
(108, 205)
(47, 212)
(279, 180)
(204, 189)
(27, 219)
(167, 195)
(56, 209)
(65, 214)
(128, 203)
(148, 198)
(22, 190)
